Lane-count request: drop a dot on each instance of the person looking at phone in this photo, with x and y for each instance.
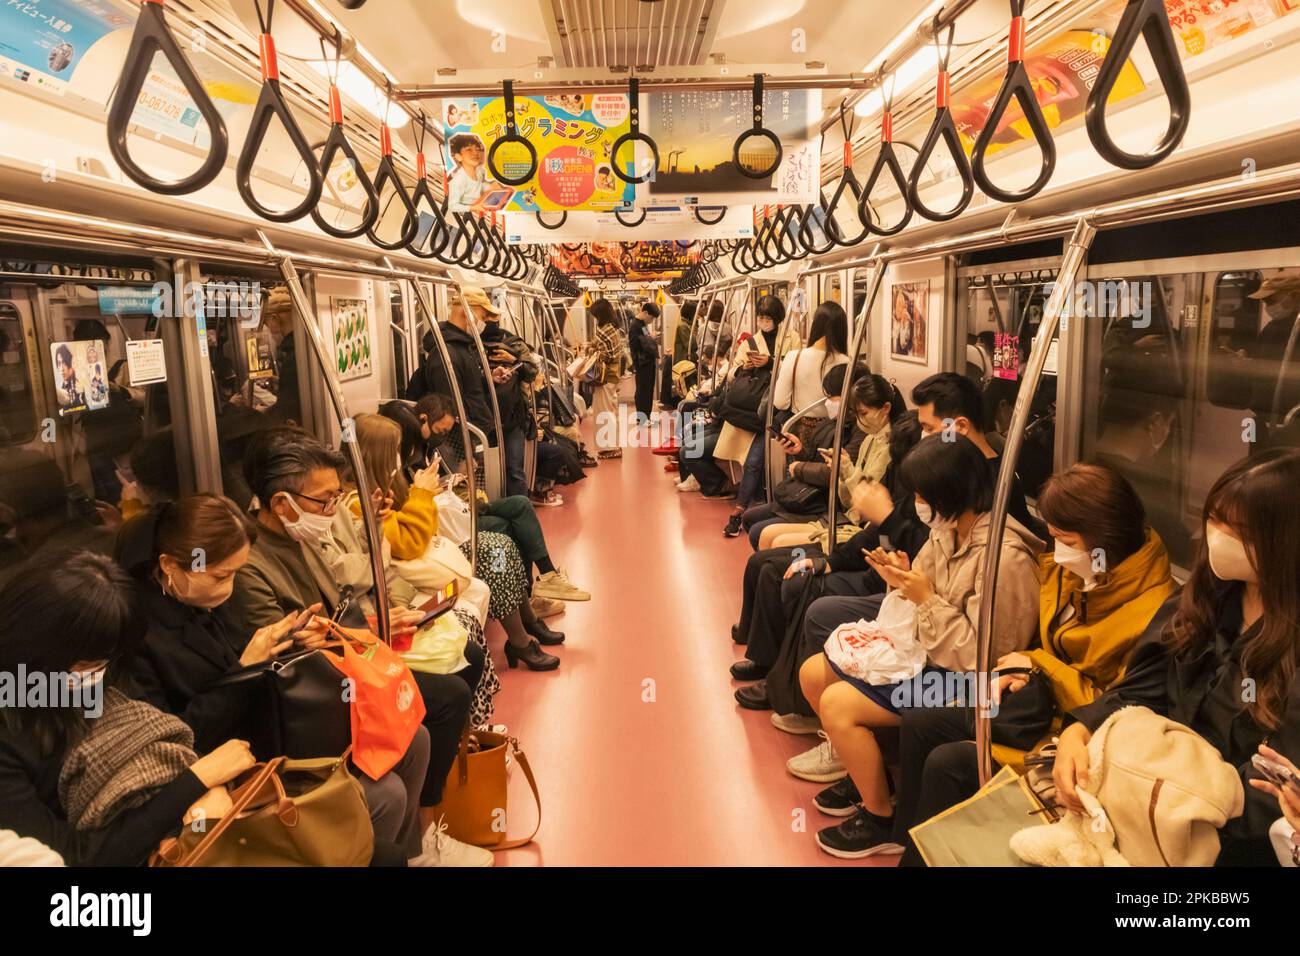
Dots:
(1281, 779)
(1236, 627)
(90, 626)
(514, 366)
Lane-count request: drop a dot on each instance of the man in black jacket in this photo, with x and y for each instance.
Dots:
(514, 366)
(645, 356)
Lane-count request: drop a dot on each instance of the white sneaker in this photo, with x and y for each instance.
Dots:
(796, 723)
(557, 586)
(690, 484)
(820, 765)
(443, 850)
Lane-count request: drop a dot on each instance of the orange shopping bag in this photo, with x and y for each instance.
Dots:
(386, 705)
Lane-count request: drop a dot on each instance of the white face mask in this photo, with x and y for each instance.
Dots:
(832, 408)
(766, 325)
(1076, 560)
(84, 680)
(308, 528)
(1228, 558)
(935, 523)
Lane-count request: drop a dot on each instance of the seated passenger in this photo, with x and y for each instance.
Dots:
(953, 496)
(804, 491)
(950, 402)
(411, 521)
(55, 770)
(1100, 589)
(1236, 625)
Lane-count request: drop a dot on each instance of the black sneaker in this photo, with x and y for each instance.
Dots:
(732, 529)
(861, 835)
(840, 799)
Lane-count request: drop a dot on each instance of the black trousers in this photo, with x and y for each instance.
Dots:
(939, 769)
(645, 388)
(447, 699)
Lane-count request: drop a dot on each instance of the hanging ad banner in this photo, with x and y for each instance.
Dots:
(80, 382)
(696, 132)
(42, 41)
(573, 135)
(669, 222)
(634, 261)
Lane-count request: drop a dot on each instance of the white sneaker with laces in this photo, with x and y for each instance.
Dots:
(796, 723)
(440, 849)
(556, 585)
(820, 765)
(690, 484)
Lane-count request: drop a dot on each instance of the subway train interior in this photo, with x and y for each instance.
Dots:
(574, 433)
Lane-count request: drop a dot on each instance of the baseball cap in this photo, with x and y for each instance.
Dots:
(474, 295)
(1277, 284)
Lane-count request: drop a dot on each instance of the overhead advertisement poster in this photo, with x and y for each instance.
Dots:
(635, 261)
(668, 222)
(42, 41)
(573, 134)
(697, 130)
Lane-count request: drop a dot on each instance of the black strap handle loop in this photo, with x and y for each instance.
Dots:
(618, 214)
(564, 217)
(387, 174)
(848, 185)
(633, 136)
(1149, 19)
(788, 240)
(737, 258)
(151, 37)
(439, 233)
(337, 142)
(271, 103)
(887, 159)
(1016, 84)
(722, 214)
(757, 131)
(809, 219)
(511, 136)
(943, 128)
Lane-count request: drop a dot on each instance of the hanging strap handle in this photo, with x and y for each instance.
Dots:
(757, 131)
(722, 214)
(633, 136)
(1016, 84)
(271, 104)
(618, 214)
(850, 186)
(886, 160)
(336, 142)
(151, 37)
(439, 233)
(1149, 19)
(387, 173)
(945, 129)
(511, 136)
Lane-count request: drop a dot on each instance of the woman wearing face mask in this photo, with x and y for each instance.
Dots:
(954, 492)
(1100, 588)
(77, 614)
(1222, 658)
(808, 465)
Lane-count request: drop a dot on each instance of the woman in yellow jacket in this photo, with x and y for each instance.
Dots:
(410, 521)
(1107, 579)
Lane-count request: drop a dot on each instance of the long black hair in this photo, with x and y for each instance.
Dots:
(830, 323)
(74, 607)
(413, 443)
(951, 474)
(874, 391)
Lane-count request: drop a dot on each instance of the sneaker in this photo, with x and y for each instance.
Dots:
(820, 765)
(557, 586)
(548, 500)
(720, 495)
(733, 526)
(857, 837)
(690, 484)
(796, 723)
(546, 607)
(839, 799)
(440, 849)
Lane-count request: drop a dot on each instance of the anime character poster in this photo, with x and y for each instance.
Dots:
(80, 376)
(635, 261)
(909, 322)
(573, 135)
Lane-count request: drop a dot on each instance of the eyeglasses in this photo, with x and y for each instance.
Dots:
(327, 505)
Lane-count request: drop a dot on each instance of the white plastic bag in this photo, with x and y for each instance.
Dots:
(453, 517)
(883, 651)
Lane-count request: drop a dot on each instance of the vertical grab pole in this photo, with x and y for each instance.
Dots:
(374, 534)
(426, 307)
(530, 440)
(778, 355)
(492, 387)
(1062, 293)
(859, 336)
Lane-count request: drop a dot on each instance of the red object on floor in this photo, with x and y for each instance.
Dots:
(641, 753)
(668, 448)
(670, 466)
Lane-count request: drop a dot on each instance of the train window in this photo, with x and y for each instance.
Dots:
(1001, 315)
(84, 446)
(829, 288)
(400, 330)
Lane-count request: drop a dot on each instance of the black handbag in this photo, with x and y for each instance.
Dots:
(799, 497)
(302, 711)
(1025, 717)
